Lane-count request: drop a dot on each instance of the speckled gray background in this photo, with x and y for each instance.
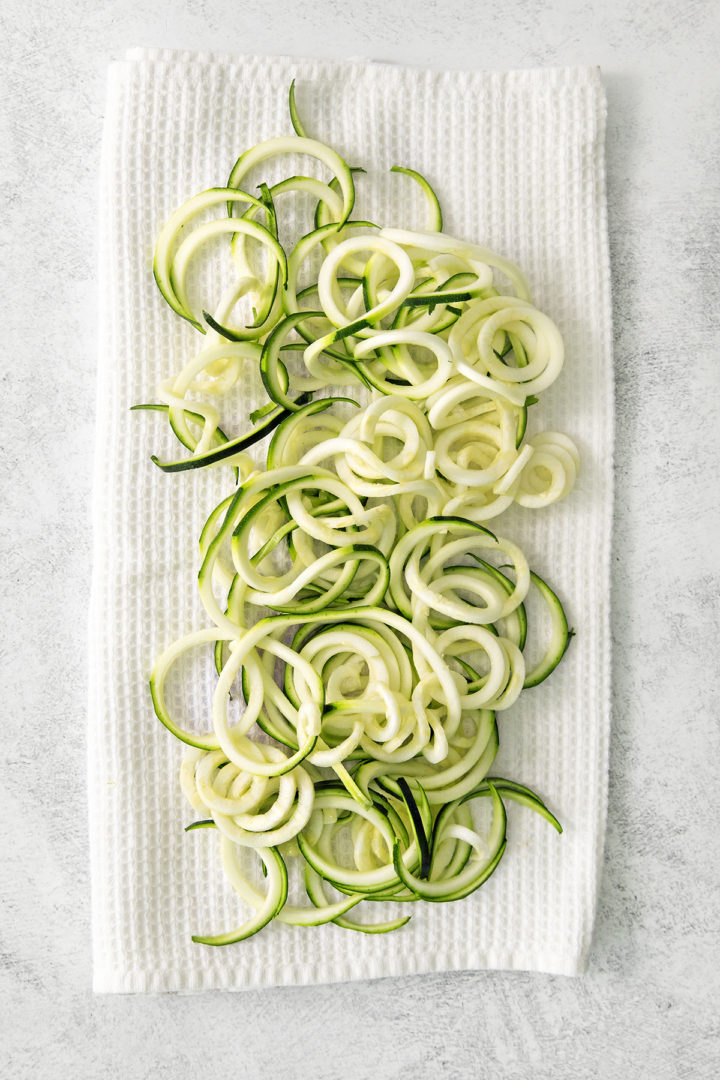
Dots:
(648, 1007)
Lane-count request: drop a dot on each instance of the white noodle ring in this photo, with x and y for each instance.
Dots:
(493, 445)
(206, 784)
(329, 290)
(417, 389)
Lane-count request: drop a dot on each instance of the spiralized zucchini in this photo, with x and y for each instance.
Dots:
(364, 623)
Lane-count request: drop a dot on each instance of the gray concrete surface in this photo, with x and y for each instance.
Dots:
(648, 1006)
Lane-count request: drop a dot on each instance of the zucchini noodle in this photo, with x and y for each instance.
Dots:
(364, 627)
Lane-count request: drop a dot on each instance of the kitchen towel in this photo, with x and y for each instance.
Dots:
(518, 161)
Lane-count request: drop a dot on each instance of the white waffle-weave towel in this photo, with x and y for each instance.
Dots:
(517, 158)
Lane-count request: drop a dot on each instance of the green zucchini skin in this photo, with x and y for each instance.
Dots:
(220, 438)
(560, 639)
(277, 895)
(297, 123)
(433, 203)
(232, 447)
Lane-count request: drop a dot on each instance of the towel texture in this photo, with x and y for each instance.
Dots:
(517, 159)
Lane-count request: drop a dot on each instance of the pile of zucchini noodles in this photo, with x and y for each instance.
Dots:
(365, 623)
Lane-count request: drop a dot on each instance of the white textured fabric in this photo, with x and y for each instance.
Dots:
(517, 159)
